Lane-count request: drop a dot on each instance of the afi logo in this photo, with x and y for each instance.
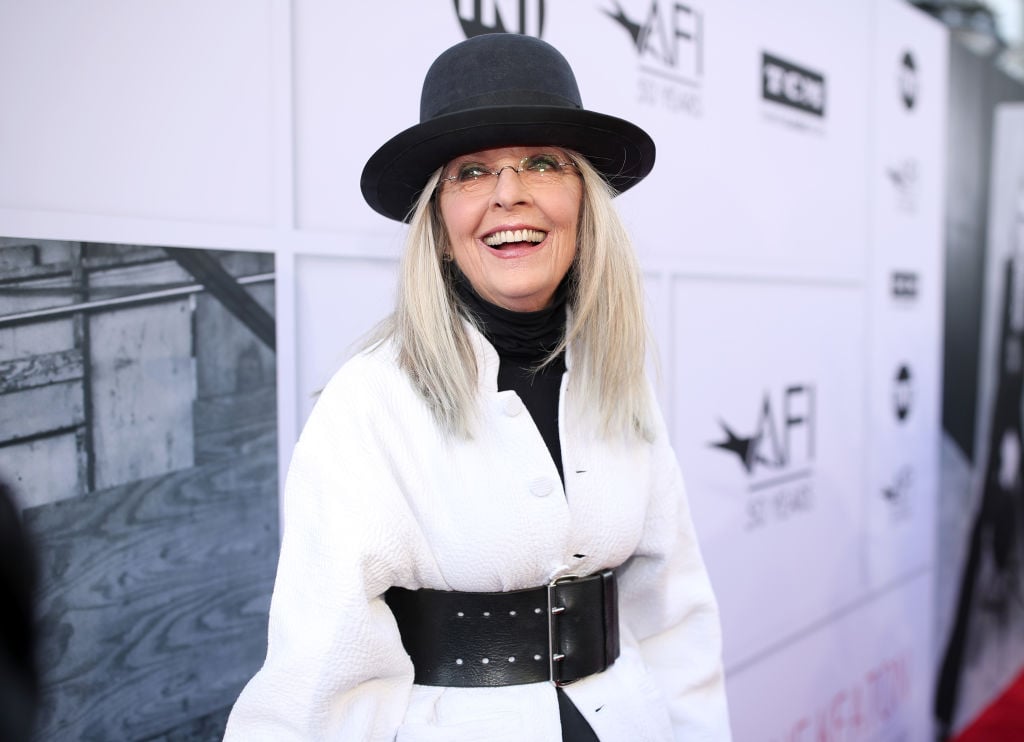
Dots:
(905, 179)
(791, 85)
(670, 34)
(500, 16)
(783, 433)
(897, 493)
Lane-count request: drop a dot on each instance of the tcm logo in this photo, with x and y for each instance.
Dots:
(781, 439)
(904, 285)
(790, 85)
(908, 81)
(902, 393)
(669, 35)
(500, 16)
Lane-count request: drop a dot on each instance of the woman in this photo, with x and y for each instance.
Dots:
(497, 438)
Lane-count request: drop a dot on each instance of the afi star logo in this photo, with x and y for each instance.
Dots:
(670, 34)
(904, 179)
(783, 434)
(897, 493)
(500, 16)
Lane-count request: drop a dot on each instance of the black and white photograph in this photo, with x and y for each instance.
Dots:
(138, 431)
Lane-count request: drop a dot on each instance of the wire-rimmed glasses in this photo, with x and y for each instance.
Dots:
(537, 170)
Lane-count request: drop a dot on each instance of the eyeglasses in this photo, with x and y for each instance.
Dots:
(535, 171)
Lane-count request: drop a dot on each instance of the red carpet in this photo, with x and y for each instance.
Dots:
(1003, 721)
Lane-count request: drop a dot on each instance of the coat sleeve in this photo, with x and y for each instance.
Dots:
(335, 667)
(667, 602)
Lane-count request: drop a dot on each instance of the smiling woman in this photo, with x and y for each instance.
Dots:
(486, 532)
(511, 217)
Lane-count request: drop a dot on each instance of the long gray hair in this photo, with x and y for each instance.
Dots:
(606, 327)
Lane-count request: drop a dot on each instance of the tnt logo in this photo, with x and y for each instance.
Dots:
(903, 393)
(478, 17)
(908, 81)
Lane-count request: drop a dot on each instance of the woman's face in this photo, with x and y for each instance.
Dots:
(514, 235)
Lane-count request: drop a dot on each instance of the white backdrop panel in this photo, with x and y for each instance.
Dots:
(905, 288)
(742, 185)
(357, 83)
(862, 678)
(769, 428)
(338, 300)
(156, 110)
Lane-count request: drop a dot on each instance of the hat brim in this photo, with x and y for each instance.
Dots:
(396, 173)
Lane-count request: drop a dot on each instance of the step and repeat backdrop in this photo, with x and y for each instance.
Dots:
(790, 236)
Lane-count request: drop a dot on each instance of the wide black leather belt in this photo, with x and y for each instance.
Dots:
(559, 632)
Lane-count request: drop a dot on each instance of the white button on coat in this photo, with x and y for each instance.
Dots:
(513, 406)
(542, 486)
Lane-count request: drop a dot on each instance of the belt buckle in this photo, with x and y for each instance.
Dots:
(553, 612)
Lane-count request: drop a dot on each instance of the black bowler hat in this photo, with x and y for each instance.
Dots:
(500, 90)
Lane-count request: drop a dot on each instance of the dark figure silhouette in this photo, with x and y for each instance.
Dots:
(991, 580)
(19, 681)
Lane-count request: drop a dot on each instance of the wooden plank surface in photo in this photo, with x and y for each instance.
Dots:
(40, 410)
(36, 338)
(44, 469)
(155, 596)
(229, 358)
(143, 386)
(40, 370)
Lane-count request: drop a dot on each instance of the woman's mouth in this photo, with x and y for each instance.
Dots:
(506, 237)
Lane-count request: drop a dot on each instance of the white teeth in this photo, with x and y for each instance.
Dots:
(517, 235)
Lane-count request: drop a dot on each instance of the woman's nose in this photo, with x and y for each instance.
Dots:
(509, 188)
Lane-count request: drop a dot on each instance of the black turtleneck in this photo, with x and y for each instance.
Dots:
(523, 340)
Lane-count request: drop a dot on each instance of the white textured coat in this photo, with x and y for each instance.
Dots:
(377, 496)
